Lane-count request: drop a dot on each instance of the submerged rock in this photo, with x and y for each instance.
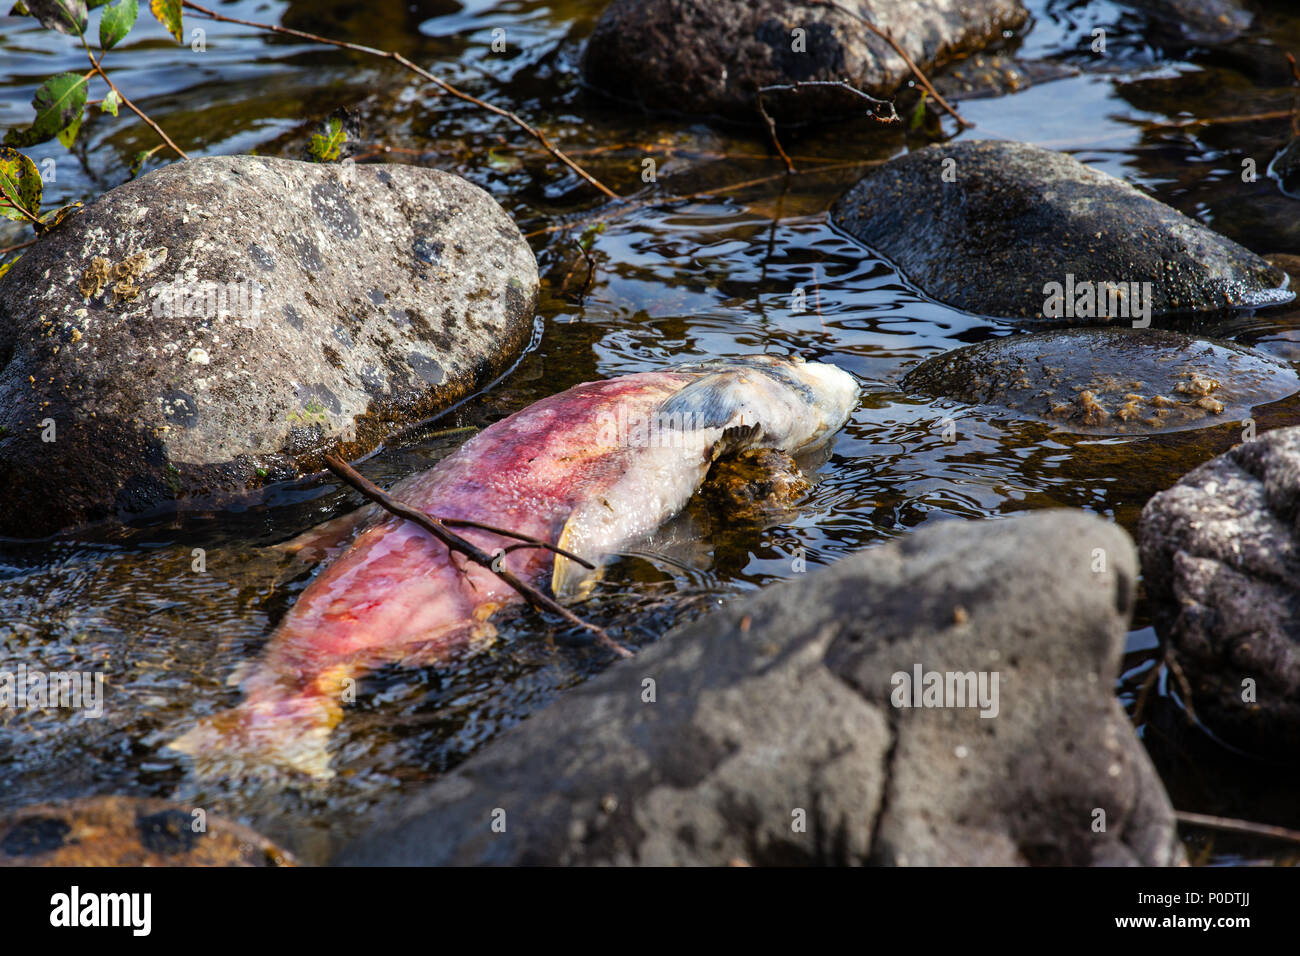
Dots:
(1285, 168)
(1221, 564)
(711, 56)
(1196, 21)
(130, 831)
(223, 322)
(1008, 229)
(1109, 381)
(754, 485)
(776, 730)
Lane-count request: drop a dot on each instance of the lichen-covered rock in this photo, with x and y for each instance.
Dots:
(223, 322)
(1221, 564)
(712, 56)
(130, 831)
(773, 731)
(1109, 381)
(996, 227)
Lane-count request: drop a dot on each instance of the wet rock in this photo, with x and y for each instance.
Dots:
(1285, 168)
(1008, 229)
(767, 732)
(711, 56)
(1221, 563)
(1207, 22)
(223, 322)
(1109, 381)
(130, 831)
(996, 74)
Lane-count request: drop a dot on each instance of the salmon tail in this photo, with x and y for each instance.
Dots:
(267, 733)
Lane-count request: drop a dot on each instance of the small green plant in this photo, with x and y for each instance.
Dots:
(326, 146)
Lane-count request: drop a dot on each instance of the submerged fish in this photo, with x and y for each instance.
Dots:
(589, 469)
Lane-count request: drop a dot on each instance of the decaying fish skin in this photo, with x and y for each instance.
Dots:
(590, 469)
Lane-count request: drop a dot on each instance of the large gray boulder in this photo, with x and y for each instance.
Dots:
(767, 733)
(987, 226)
(223, 322)
(1221, 563)
(712, 56)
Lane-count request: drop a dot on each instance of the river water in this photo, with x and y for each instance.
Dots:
(722, 253)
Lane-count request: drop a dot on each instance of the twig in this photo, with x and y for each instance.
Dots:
(916, 70)
(771, 130)
(1295, 103)
(455, 543)
(803, 84)
(631, 205)
(418, 71)
(22, 245)
(1176, 669)
(1230, 825)
(97, 70)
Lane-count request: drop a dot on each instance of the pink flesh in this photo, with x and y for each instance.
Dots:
(395, 593)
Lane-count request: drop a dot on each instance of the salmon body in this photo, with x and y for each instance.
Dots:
(589, 470)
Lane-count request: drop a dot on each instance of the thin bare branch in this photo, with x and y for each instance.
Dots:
(916, 70)
(1229, 825)
(456, 544)
(418, 71)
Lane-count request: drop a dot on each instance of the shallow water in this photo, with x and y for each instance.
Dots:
(723, 254)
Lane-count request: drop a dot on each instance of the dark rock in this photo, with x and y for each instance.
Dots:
(711, 56)
(1015, 219)
(357, 330)
(1204, 22)
(996, 74)
(778, 708)
(1221, 563)
(130, 831)
(1109, 381)
(1285, 168)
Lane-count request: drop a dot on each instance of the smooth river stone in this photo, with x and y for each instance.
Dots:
(711, 56)
(1108, 381)
(986, 226)
(366, 297)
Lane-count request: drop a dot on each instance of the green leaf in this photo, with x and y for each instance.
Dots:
(66, 16)
(3, 269)
(20, 185)
(138, 161)
(58, 104)
(918, 114)
(20, 10)
(117, 22)
(56, 216)
(111, 101)
(168, 13)
(324, 146)
(68, 135)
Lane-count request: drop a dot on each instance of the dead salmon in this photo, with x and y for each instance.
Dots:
(589, 470)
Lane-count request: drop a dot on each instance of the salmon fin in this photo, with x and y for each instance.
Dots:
(712, 401)
(570, 581)
(735, 438)
(274, 731)
(329, 538)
